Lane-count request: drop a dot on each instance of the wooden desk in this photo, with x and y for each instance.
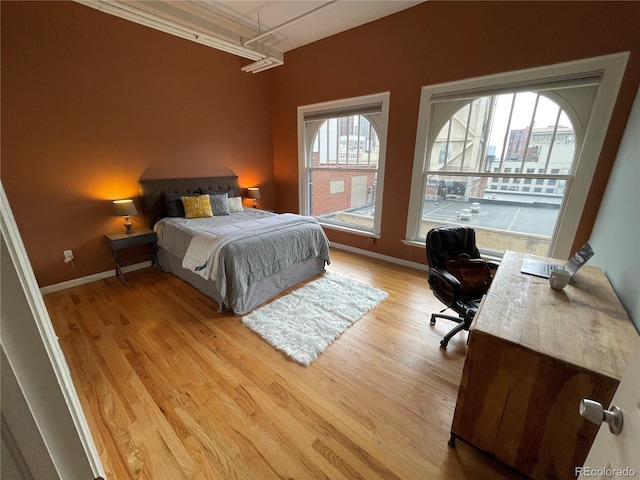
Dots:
(533, 354)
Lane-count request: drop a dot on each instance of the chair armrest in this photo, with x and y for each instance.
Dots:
(446, 276)
(449, 279)
(492, 265)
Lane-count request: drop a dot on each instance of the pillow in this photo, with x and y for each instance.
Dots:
(229, 192)
(173, 206)
(219, 204)
(235, 205)
(197, 207)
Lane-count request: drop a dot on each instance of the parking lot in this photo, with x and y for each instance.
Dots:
(531, 219)
(531, 215)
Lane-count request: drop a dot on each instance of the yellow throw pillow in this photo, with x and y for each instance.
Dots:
(197, 207)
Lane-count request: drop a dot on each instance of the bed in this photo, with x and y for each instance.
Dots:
(240, 259)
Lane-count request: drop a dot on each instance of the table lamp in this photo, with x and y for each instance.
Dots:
(253, 193)
(125, 208)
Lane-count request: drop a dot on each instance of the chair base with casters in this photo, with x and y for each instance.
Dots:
(464, 323)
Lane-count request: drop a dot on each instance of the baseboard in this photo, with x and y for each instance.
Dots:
(112, 273)
(379, 256)
(92, 278)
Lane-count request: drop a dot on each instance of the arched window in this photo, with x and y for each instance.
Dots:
(342, 162)
(504, 156)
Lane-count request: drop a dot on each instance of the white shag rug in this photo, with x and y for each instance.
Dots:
(306, 321)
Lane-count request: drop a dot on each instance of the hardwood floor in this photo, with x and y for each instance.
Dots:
(172, 389)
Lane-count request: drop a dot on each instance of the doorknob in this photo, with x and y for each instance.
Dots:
(595, 413)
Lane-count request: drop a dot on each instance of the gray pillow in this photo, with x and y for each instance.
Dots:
(219, 204)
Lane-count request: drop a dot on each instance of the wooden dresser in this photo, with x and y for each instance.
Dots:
(533, 354)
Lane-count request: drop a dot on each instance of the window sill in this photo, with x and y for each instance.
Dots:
(487, 256)
(354, 231)
(414, 243)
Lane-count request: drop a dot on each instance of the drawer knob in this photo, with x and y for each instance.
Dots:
(595, 413)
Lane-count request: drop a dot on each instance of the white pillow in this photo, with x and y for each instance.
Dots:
(235, 204)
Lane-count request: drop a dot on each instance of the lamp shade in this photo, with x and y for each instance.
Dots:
(122, 208)
(253, 192)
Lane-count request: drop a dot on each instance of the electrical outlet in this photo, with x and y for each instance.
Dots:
(68, 256)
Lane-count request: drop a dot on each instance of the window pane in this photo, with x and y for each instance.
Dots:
(564, 146)
(342, 172)
(459, 145)
(346, 142)
(442, 151)
(344, 198)
(500, 124)
(504, 218)
(526, 132)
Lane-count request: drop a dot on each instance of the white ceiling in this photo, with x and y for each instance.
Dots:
(235, 24)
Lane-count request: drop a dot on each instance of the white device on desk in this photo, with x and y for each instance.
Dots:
(541, 268)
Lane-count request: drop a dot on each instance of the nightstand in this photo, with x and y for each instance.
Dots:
(121, 241)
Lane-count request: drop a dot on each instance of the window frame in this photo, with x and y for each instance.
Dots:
(612, 67)
(345, 106)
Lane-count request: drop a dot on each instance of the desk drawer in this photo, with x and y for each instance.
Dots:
(133, 241)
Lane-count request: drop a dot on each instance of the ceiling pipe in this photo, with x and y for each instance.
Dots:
(261, 60)
(289, 22)
(128, 12)
(262, 65)
(255, 65)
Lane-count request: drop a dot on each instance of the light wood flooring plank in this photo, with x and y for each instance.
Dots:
(173, 389)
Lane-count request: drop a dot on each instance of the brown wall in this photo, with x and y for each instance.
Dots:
(91, 103)
(438, 42)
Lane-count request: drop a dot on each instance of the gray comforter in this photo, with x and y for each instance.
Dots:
(236, 250)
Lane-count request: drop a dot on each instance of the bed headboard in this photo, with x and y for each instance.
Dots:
(152, 191)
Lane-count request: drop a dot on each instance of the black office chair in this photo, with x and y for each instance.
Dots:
(457, 275)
